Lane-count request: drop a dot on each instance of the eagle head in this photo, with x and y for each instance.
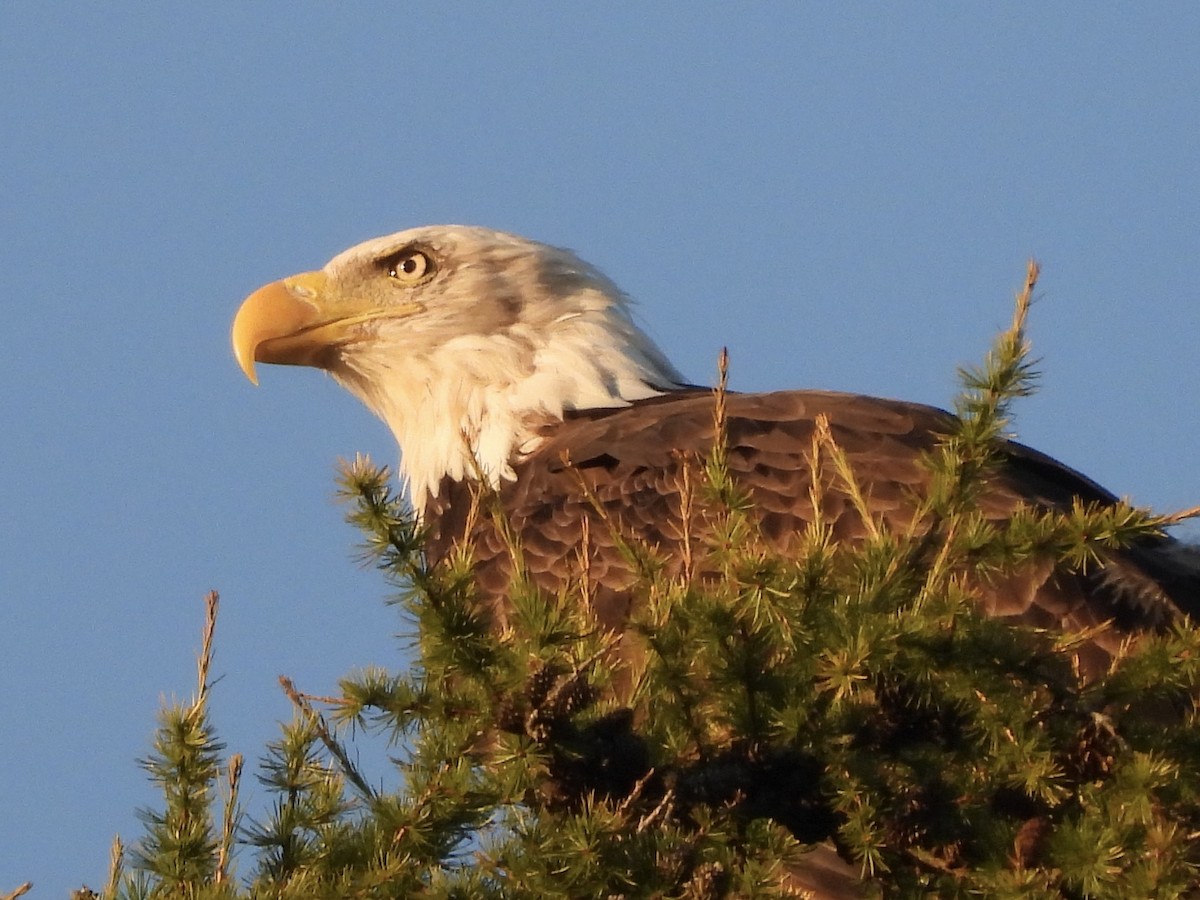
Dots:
(467, 342)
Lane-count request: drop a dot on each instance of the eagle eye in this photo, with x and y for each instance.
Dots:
(409, 266)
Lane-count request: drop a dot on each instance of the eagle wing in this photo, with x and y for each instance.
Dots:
(622, 471)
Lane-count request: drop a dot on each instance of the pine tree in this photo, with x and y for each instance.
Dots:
(845, 698)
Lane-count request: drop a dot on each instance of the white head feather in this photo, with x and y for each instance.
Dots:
(512, 334)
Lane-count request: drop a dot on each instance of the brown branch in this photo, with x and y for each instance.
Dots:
(116, 865)
(587, 586)
(686, 488)
(1183, 515)
(229, 820)
(336, 750)
(845, 472)
(212, 603)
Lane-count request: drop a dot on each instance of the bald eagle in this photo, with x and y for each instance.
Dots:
(498, 359)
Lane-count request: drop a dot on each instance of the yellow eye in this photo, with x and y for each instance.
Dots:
(409, 266)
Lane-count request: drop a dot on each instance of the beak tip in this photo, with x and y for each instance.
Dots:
(246, 364)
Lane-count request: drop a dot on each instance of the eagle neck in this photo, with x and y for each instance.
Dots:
(473, 408)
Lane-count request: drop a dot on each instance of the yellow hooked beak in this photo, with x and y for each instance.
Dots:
(295, 322)
(278, 314)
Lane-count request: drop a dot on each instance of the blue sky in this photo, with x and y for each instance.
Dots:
(845, 197)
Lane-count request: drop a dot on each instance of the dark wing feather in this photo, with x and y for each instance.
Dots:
(631, 461)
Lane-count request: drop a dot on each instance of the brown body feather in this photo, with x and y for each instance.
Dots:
(630, 460)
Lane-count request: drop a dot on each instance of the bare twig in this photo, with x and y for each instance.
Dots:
(212, 603)
(663, 807)
(116, 865)
(845, 471)
(587, 587)
(229, 821)
(331, 744)
(1182, 516)
(633, 796)
(719, 455)
(687, 498)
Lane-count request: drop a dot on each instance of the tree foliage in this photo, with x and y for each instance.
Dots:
(842, 710)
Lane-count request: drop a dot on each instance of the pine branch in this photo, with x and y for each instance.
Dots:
(179, 849)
